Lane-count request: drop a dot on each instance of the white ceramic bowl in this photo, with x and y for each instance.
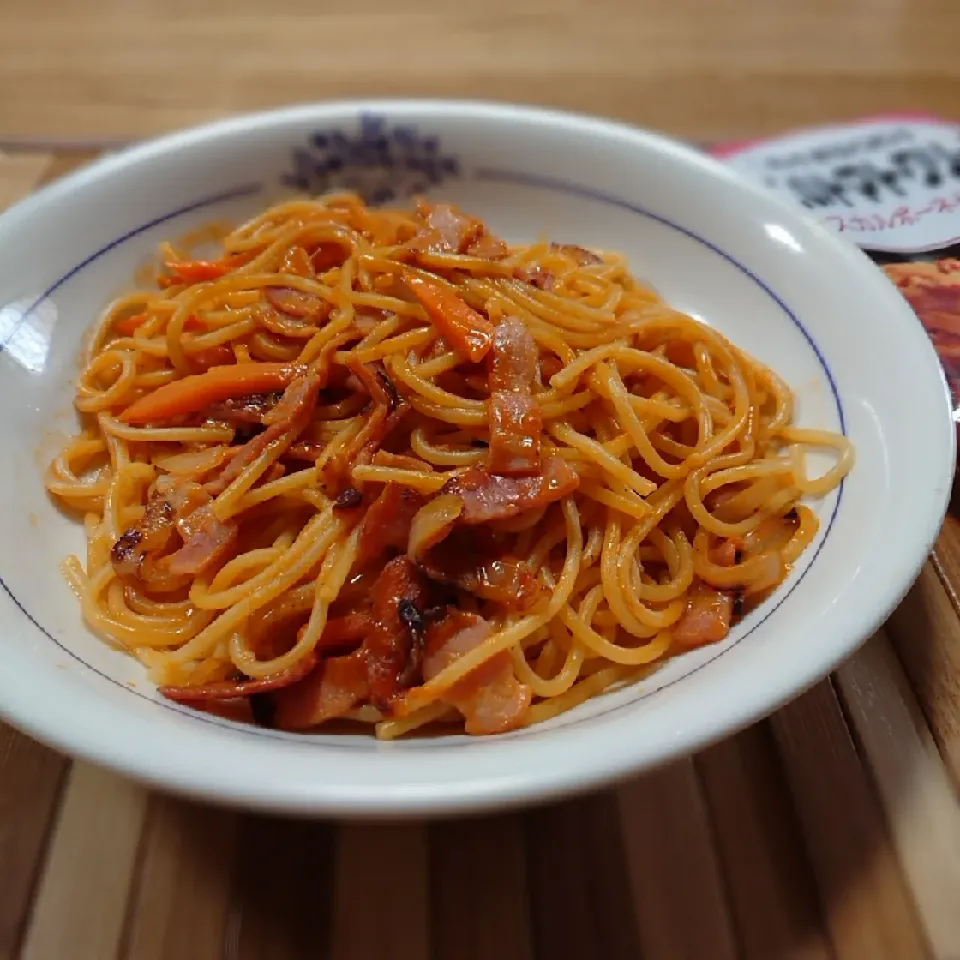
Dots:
(815, 309)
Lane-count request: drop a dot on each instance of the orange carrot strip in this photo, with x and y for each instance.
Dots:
(128, 326)
(198, 391)
(467, 331)
(198, 271)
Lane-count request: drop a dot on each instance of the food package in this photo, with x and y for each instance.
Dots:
(891, 185)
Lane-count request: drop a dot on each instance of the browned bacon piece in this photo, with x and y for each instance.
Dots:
(394, 645)
(474, 563)
(387, 523)
(515, 419)
(489, 497)
(581, 255)
(232, 689)
(706, 618)
(334, 688)
(491, 698)
(284, 423)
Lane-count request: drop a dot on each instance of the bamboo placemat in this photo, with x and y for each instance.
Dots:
(831, 830)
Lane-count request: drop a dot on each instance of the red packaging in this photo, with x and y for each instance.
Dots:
(891, 185)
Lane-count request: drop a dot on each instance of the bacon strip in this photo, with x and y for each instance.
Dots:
(488, 247)
(296, 303)
(330, 254)
(515, 419)
(305, 451)
(220, 356)
(232, 689)
(285, 421)
(243, 410)
(151, 535)
(350, 628)
(392, 648)
(297, 262)
(464, 560)
(728, 553)
(706, 618)
(491, 698)
(489, 497)
(389, 409)
(581, 255)
(536, 275)
(446, 230)
(177, 507)
(387, 522)
(206, 541)
(334, 688)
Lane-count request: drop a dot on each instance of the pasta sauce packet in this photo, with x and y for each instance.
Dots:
(891, 185)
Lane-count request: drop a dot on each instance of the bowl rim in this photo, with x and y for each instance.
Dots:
(434, 799)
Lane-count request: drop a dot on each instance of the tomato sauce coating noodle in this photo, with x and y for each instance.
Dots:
(377, 465)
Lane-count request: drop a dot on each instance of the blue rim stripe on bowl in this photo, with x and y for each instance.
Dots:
(248, 190)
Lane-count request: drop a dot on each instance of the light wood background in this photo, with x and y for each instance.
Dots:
(114, 69)
(829, 832)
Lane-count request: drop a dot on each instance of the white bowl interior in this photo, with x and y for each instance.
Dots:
(774, 284)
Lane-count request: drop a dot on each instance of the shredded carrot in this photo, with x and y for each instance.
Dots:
(198, 271)
(128, 326)
(196, 392)
(467, 331)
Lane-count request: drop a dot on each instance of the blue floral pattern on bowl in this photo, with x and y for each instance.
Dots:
(380, 162)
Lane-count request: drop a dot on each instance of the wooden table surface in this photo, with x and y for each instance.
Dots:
(112, 69)
(831, 830)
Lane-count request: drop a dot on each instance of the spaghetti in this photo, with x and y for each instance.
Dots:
(377, 465)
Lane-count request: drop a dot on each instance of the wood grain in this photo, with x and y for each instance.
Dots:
(579, 886)
(915, 791)
(381, 905)
(925, 631)
(726, 68)
(946, 555)
(82, 900)
(864, 896)
(180, 901)
(772, 893)
(675, 876)
(283, 889)
(478, 890)
(30, 778)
